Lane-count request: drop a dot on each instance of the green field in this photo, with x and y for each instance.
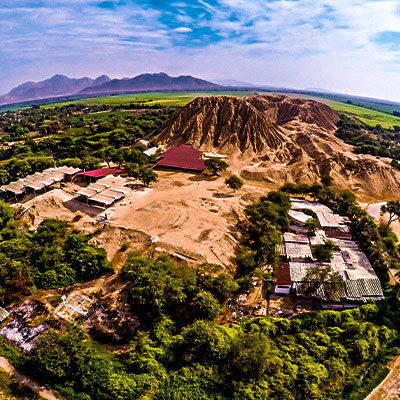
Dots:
(366, 115)
(370, 117)
(164, 98)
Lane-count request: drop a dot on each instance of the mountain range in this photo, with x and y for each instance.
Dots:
(61, 85)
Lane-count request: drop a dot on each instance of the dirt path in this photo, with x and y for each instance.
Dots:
(42, 391)
(389, 388)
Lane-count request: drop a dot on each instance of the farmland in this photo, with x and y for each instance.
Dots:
(365, 115)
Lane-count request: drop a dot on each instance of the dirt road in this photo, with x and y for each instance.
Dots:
(389, 389)
(42, 391)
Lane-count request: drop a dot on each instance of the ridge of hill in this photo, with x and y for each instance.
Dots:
(221, 122)
(150, 82)
(279, 139)
(282, 109)
(58, 85)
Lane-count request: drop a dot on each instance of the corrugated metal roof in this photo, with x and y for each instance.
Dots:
(295, 238)
(299, 216)
(364, 289)
(298, 270)
(298, 250)
(183, 157)
(328, 219)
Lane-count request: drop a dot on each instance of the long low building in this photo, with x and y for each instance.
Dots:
(184, 158)
(39, 180)
(106, 191)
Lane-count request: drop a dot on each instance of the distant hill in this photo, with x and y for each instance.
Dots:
(150, 82)
(58, 85)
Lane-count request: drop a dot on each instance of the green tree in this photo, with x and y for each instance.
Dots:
(234, 182)
(393, 209)
(312, 226)
(324, 252)
(147, 175)
(207, 307)
(216, 165)
(107, 154)
(326, 180)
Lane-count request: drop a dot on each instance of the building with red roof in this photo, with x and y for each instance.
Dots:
(184, 158)
(100, 173)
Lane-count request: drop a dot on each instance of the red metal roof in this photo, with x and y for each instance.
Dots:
(282, 274)
(98, 173)
(338, 235)
(182, 157)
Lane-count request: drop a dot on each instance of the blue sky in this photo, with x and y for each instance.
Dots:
(351, 46)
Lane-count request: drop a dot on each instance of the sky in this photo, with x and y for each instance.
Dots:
(348, 46)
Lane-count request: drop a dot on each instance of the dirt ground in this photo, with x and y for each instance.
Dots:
(190, 216)
(389, 389)
(36, 388)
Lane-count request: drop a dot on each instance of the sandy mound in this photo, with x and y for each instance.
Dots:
(288, 139)
(282, 109)
(223, 122)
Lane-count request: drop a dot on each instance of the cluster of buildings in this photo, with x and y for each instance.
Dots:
(296, 253)
(107, 188)
(39, 181)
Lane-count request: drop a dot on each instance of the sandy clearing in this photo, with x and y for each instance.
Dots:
(389, 388)
(190, 215)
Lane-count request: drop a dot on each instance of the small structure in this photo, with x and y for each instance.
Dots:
(100, 173)
(184, 158)
(144, 144)
(283, 282)
(3, 314)
(213, 154)
(38, 181)
(75, 303)
(154, 150)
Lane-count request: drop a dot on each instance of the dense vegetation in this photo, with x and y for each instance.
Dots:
(179, 352)
(367, 140)
(74, 135)
(54, 256)
(326, 355)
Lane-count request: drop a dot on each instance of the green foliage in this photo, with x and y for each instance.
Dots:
(51, 257)
(141, 172)
(267, 219)
(312, 226)
(325, 355)
(234, 182)
(216, 165)
(161, 287)
(393, 209)
(324, 252)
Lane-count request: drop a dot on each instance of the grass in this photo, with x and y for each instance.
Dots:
(164, 98)
(366, 115)
(369, 117)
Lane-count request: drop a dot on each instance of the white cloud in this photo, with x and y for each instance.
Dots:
(304, 43)
(183, 29)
